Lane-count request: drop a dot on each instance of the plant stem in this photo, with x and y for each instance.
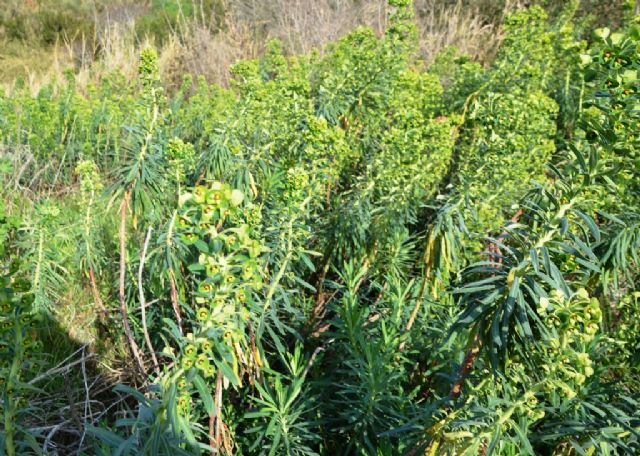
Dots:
(123, 298)
(175, 303)
(473, 350)
(283, 268)
(89, 253)
(215, 421)
(38, 271)
(467, 365)
(143, 302)
(95, 292)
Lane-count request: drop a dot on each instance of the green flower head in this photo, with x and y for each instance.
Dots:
(190, 351)
(203, 314)
(200, 194)
(206, 346)
(205, 288)
(202, 361)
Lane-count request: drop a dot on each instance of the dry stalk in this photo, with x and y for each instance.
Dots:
(133, 346)
(143, 302)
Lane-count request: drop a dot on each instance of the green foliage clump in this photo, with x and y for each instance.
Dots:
(511, 120)
(611, 111)
(228, 263)
(19, 348)
(343, 252)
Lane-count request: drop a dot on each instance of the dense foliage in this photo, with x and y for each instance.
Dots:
(342, 253)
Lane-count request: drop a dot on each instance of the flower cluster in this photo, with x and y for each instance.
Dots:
(90, 180)
(574, 323)
(228, 273)
(181, 158)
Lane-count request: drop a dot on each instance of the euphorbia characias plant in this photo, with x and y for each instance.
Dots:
(350, 251)
(219, 348)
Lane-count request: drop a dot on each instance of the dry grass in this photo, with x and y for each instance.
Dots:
(20, 60)
(303, 25)
(461, 25)
(199, 51)
(208, 47)
(117, 49)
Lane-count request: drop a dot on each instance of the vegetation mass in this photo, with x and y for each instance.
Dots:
(342, 251)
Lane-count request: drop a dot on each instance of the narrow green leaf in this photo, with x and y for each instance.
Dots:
(205, 394)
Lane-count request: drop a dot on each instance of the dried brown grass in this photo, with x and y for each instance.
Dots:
(303, 25)
(461, 24)
(209, 47)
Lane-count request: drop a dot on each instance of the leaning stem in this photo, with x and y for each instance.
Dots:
(97, 300)
(123, 298)
(175, 303)
(143, 305)
(475, 341)
(428, 258)
(212, 434)
(215, 420)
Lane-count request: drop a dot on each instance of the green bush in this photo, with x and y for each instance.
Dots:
(341, 253)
